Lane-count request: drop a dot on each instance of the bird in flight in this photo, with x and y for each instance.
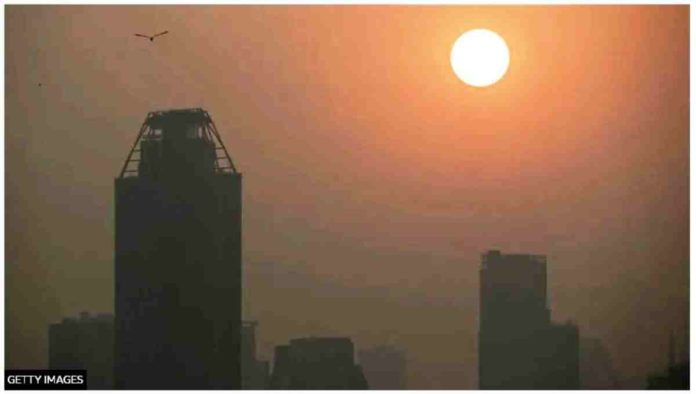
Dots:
(152, 38)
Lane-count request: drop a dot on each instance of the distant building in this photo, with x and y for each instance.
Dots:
(596, 369)
(384, 367)
(561, 359)
(178, 242)
(675, 377)
(255, 373)
(519, 346)
(85, 343)
(317, 364)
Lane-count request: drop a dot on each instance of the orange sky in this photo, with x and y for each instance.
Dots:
(373, 177)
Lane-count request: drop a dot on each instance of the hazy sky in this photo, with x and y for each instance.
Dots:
(373, 177)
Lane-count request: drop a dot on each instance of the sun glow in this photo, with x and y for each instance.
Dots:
(480, 57)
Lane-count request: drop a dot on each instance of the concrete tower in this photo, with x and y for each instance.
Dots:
(178, 258)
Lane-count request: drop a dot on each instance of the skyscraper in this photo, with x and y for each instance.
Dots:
(178, 257)
(519, 347)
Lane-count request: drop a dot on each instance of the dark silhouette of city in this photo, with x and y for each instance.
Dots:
(178, 321)
(178, 280)
(178, 294)
(519, 346)
(317, 363)
(178, 258)
(375, 175)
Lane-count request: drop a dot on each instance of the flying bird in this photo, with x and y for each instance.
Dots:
(152, 38)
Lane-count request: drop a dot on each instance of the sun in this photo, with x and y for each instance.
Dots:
(480, 57)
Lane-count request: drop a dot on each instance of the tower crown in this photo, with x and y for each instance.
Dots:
(179, 142)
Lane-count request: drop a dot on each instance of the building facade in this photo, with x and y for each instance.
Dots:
(178, 258)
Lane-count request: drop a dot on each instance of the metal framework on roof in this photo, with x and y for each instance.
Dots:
(156, 122)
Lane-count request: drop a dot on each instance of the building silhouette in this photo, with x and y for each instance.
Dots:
(596, 369)
(384, 367)
(675, 377)
(519, 346)
(560, 358)
(178, 258)
(255, 373)
(317, 364)
(86, 342)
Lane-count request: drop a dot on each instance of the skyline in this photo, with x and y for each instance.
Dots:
(404, 172)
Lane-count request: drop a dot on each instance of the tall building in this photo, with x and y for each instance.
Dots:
(85, 343)
(317, 364)
(519, 346)
(178, 258)
(384, 367)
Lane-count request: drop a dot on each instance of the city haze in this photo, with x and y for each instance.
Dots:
(373, 178)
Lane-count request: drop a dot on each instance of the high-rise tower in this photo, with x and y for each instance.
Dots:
(519, 346)
(178, 258)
